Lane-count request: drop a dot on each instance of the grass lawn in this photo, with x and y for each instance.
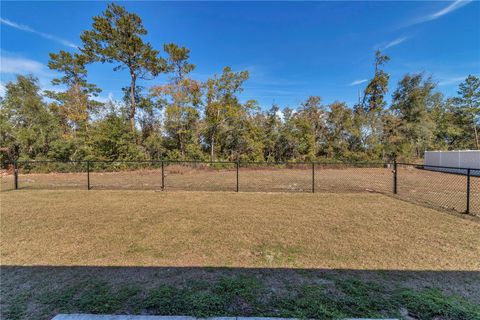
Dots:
(221, 253)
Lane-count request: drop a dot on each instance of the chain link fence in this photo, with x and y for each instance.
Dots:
(448, 188)
(354, 177)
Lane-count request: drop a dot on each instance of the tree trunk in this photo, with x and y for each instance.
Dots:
(132, 101)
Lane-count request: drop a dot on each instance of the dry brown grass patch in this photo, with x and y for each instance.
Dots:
(146, 228)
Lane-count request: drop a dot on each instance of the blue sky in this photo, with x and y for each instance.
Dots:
(292, 49)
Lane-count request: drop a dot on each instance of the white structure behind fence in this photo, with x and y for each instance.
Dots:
(453, 159)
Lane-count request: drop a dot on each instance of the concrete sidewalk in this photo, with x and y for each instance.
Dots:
(131, 317)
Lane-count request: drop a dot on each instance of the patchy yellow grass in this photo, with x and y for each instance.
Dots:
(147, 228)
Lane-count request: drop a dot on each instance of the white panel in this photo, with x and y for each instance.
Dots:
(450, 159)
(470, 159)
(432, 158)
(453, 159)
(428, 160)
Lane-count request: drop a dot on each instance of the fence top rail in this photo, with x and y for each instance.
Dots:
(314, 162)
(201, 161)
(114, 161)
(433, 166)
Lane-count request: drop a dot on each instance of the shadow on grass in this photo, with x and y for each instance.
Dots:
(39, 292)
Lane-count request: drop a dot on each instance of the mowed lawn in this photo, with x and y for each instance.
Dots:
(143, 228)
(223, 253)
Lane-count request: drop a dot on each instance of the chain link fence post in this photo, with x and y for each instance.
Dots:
(238, 164)
(395, 173)
(313, 177)
(163, 178)
(15, 174)
(88, 174)
(467, 211)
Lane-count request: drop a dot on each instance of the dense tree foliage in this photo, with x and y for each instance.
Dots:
(184, 118)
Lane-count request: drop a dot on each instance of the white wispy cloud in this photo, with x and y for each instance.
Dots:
(452, 80)
(105, 99)
(3, 89)
(42, 34)
(12, 64)
(394, 43)
(357, 82)
(448, 9)
(18, 65)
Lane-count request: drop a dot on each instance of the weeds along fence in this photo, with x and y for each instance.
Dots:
(449, 188)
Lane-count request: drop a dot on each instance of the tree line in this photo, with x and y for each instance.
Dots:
(187, 119)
